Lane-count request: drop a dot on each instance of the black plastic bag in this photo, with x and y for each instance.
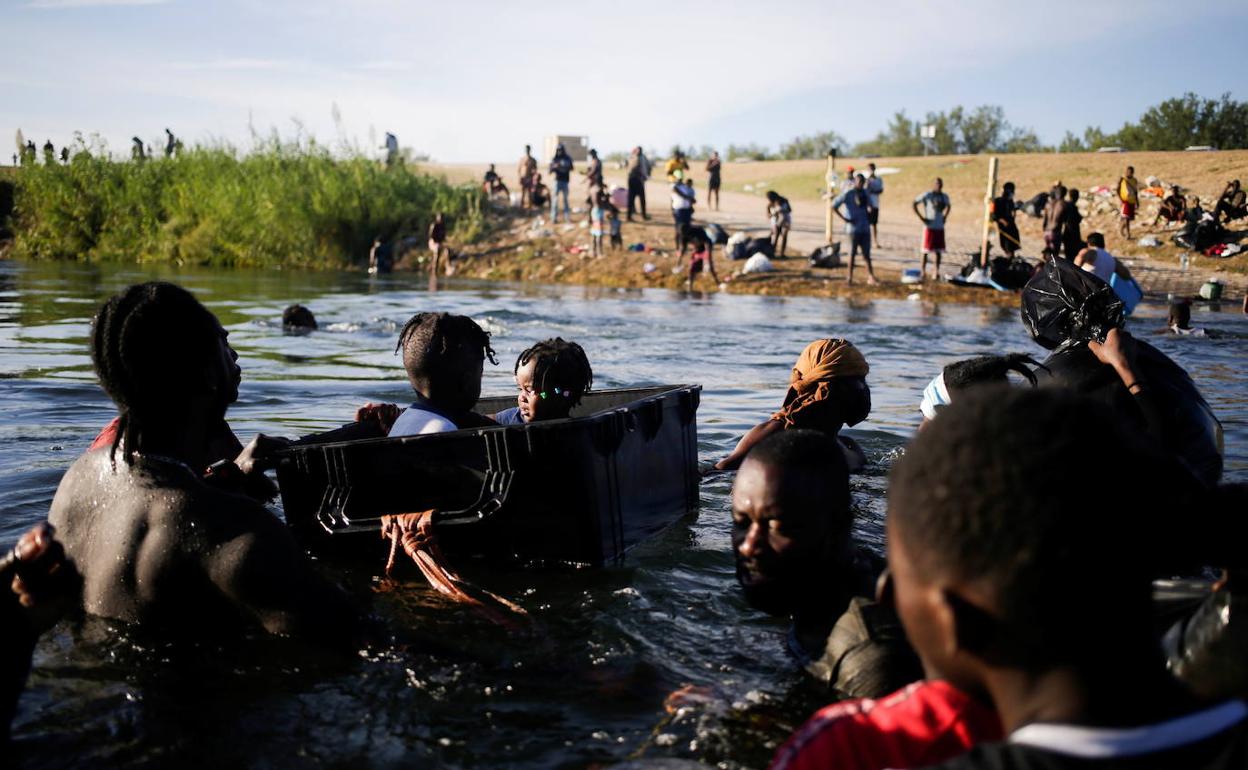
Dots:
(1207, 651)
(1064, 305)
(826, 256)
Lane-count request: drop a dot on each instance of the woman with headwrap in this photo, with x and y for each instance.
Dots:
(827, 391)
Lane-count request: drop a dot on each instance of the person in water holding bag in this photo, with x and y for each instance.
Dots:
(551, 378)
(827, 391)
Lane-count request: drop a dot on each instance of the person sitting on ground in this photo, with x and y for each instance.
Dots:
(1019, 582)
(1003, 215)
(157, 522)
(539, 194)
(297, 318)
(35, 581)
(1096, 260)
(1172, 207)
(444, 356)
(827, 391)
(493, 183)
(856, 202)
(963, 375)
(703, 259)
(780, 214)
(1231, 204)
(551, 378)
(795, 558)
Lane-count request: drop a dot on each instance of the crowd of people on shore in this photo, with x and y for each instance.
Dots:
(1014, 601)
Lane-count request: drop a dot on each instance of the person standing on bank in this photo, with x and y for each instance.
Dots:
(1003, 215)
(875, 188)
(713, 167)
(593, 174)
(857, 217)
(526, 169)
(561, 169)
(936, 208)
(1129, 196)
(437, 245)
(638, 173)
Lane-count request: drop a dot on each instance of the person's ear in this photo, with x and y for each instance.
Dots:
(971, 629)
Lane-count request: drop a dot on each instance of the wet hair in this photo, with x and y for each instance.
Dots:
(814, 462)
(150, 345)
(993, 493)
(298, 317)
(989, 370)
(559, 366)
(1097, 240)
(433, 344)
(1180, 313)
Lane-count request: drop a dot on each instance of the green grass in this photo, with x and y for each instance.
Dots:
(280, 205)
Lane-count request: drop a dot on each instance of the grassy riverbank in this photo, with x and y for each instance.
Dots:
(280, 205)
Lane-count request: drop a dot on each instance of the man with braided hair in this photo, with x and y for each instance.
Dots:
(444, 356)
(156, 519)
(551, 377)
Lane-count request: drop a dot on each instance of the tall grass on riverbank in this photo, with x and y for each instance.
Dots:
(280, 205)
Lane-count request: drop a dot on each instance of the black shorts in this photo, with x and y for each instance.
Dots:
(873, 216)
(713, 184)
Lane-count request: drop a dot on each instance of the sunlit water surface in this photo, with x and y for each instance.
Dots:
(586, 684)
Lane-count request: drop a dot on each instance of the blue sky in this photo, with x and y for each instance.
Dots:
(473, 81)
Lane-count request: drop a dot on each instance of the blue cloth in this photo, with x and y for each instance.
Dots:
(856, 203)
(561, 188)
(509, 417)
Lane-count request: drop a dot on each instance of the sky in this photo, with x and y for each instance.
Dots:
(475, 80)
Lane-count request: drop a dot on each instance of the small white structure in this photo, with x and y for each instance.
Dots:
(577, 147)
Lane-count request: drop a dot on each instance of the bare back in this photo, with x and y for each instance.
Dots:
(157, 546)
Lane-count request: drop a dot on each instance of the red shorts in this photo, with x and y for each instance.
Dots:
(933, 240)
(1128, 210)
(700, 261)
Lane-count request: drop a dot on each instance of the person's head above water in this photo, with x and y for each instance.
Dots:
(791, 519)
(1005, 556)
(298, 318)
(961, 376)
(163, 359)
(444, 355)
(551, 378)
(827, 388)
(1180, 314)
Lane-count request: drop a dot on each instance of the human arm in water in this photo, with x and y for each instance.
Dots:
(35, 583)
(748, 442)
(1118, 351)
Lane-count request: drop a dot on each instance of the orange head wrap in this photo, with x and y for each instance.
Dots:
(820, 363)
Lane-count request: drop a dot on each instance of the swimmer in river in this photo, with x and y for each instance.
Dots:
(795, 558)
(444, 356)
(298, 319)
(827, 391)
(156, 521)
(551, 378)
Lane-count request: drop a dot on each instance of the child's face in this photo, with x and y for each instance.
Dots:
(532, 406)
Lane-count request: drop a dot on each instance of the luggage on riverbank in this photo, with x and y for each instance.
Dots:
(580, 491)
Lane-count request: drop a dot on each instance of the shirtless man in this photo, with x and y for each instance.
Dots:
(526, 169)
(158, 540)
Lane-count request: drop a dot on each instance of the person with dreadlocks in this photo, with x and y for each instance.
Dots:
(973, 372)
(827, 391)
(159, 540)
(444, 356)
(551, 377)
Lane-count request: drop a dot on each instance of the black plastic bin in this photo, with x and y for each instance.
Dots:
(580, 491)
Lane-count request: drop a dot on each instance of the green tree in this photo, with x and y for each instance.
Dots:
(813, 146)
(900, 138)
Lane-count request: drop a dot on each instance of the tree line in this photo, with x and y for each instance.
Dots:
(1174, 124)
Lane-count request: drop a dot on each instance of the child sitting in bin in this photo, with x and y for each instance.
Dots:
(551, 377)
(444, 356)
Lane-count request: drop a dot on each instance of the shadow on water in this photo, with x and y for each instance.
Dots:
(586, 684)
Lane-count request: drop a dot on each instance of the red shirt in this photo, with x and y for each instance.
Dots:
(107, 435)
(919, 725)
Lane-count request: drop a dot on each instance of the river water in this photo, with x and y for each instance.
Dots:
(587, 685)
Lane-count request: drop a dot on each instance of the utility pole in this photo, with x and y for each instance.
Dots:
(830, 179)
(992, 193)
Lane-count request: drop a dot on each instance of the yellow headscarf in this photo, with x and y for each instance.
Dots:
(821, 362)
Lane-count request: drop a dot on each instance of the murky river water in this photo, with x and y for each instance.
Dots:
(588, 686)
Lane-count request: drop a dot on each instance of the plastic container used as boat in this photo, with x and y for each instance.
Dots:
(579, 491)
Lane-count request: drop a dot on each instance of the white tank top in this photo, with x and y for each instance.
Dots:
(1104, 265)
